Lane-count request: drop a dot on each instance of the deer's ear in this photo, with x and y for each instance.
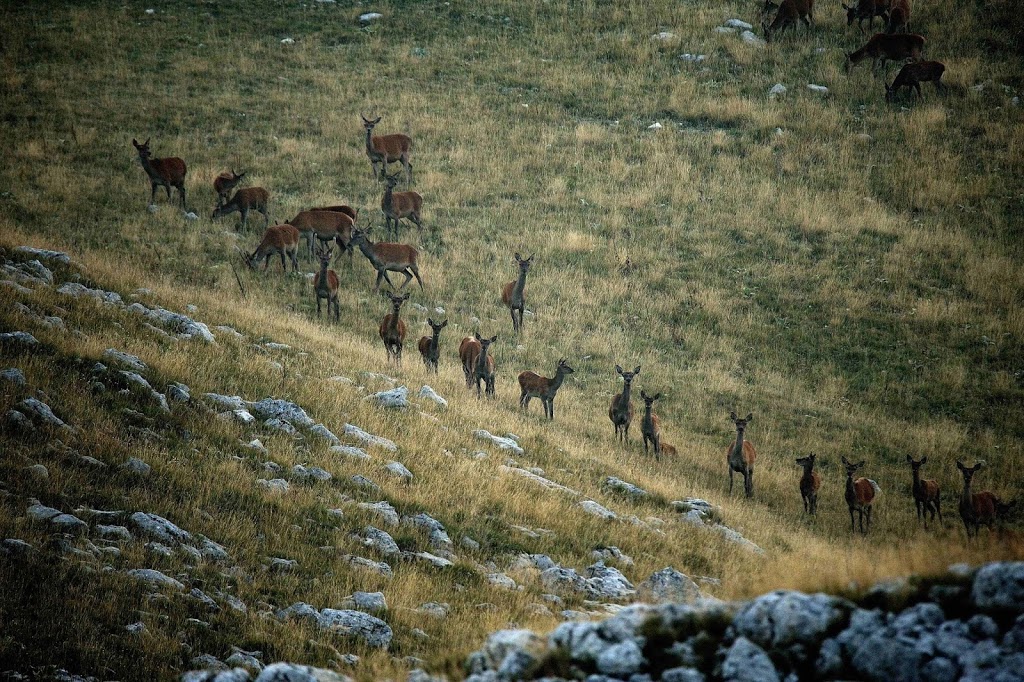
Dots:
(444, 324)
(431, 322)
(518, 257)
(750, 416)
(494, 338)
(643, 394)
(637, 370)
(135, 142)
(732, 416)
(960, 465)
(924, 459)
(861, 463)
(910, 459)
(847, 462)
(618, 369)
(657, 396)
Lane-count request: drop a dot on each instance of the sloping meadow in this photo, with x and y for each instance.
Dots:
(845, 269)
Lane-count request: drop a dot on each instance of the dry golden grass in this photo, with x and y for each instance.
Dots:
(860, 295)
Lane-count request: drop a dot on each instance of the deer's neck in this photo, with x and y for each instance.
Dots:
(648, 417)
(851, 495)
(435, 339)
(481, 360)
(517, 290)
(624, 404)
(393, 322)
(808, 473)
(368, 251)
(387, 201)
(556, 383)
(148, 166)
(737, 448)
(322, 279)
(966, 497)
(917, 480)
(369, 143)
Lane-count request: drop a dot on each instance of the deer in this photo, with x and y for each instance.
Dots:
(621, 409)
(385, 257)
(512, 294)
(469, 349)
(790, 11)
(740, 456)
(429, 345)
(224, 183)
(325, 284)
(533, 385)
(385, 149)
(978, 509)
(883, 47)
(166, 172)
(899, 17)
(245, 200)
(809, 484)
(925, 491)
(866, 9)
(477, 363)
(650, 426)
(277, 239)
(392, 329)
(860, 494)
(325, 226)
(912, 75)
(398, 205)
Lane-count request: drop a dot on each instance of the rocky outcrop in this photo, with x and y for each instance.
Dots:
(962, 626)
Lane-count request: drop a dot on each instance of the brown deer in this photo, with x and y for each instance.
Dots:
(428, 345)
(533, 385)
(386, 258)
(926, 492)
(912, 75)
(978, 509)
(809, 484)
(477, 363)
(621, 409)
(398, 205)
(324, 226)
(866, 9)
(650, 425)
(392, 329)
(469, 349)
(512, 294)
(245, 200)
(899, 17)
(741, 455)
(385, 149)
(883, 47)
(224, 183)
(790, 11)
(277, 239)
(325, 284)
(166, 172)
(860, 494)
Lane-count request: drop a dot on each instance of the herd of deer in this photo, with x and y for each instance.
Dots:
(895, 43)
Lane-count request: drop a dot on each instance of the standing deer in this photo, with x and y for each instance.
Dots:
(860, 494)
(385, 257)
(483, 368)
(429, 345)
(867, 9)
(533, 385)
(809, 484)
(385, 149)
(469, 349)
(978, 509)
(224, 183)
(325, 226)
(167, 172)
(650, 426)
(899, 17)
(926, 492)
(790, 12)
(392, 329)
(398, 205)
(325, 284)
(741, 454)
(277, 239)
(621, 409)
(245, 200)
(512, 294)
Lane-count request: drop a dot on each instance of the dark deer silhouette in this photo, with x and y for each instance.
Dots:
(741, 455)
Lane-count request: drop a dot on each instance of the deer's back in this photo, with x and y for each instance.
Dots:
(983, 506)
(864, 492)
(810, 484)
(170, 168)
(396, 143)
(424, 345)
(469, 349)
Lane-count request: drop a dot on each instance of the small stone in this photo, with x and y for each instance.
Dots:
(38, 471)
(276, 485)
(595, 509)
(820, 89)
(13, 375)
(398, 469)
(752, 38)
(737, 23)
(137, 467)
(777, 89)
(429, 394)
(349, 451)
(155, 578)
(370, 17)
(396, 398)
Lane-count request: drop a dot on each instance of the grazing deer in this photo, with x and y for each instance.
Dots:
(790, 11)
(860, 494)
(883, 47)
(429, 345)
(899, 17)
(167, 172)
(533, 385)
(325, 284)
(386, 258)
(512, 294)
(809, 484)
(224, 183)
(650, 425)
(245, 200)
(912, 75)
(926, 492)
(621, 409)
(398, 205)
(741, 454)
(978, 509)
(392, 329)
(277, 239)
(325, 226)
(385, 149)
(866, 9)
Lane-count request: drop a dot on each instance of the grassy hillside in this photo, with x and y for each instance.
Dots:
(847, 270)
